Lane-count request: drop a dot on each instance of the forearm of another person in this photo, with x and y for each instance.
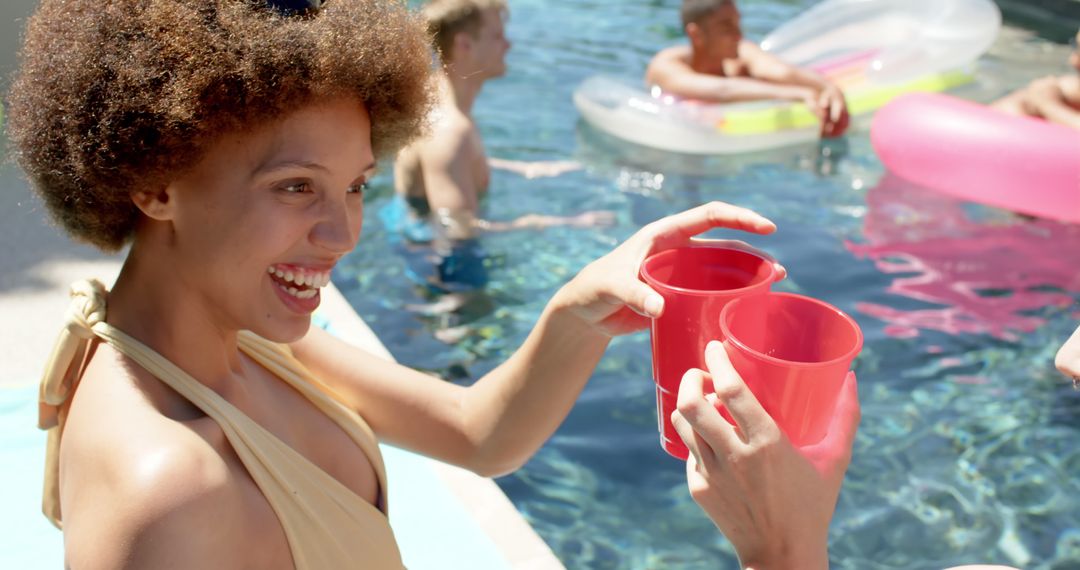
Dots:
(1061, 114)
(828, 105)
(1047, 98)
(459, 225)
(767, 67)
(592, 218)
(535, 169)
(699, 86)
(824, 98)
(463, 224)
(773, 501)
(676, 77)
(1013, 103)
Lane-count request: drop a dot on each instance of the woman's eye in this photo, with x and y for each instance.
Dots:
(358, 188)
(297, 188)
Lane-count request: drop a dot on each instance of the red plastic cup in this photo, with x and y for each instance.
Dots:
(794, 353)
(695, 282)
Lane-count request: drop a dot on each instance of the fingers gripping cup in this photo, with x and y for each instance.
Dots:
(695, 282)
(794, 353)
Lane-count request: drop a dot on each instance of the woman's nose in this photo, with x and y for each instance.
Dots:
(338, 228)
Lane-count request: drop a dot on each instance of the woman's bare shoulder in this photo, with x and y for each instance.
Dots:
(140, 488)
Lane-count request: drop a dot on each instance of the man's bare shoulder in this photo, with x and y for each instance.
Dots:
(445, 121)
(668, 60)
(679, 53)
(452, 138)
(749, 49)
(140, 489)
(449, 123)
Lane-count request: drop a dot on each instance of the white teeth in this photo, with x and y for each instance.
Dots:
(305, 294)
(301, 279)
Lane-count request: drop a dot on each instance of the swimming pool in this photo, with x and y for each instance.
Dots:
(968, 450)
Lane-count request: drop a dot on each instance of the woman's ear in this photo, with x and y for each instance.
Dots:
(156, 205)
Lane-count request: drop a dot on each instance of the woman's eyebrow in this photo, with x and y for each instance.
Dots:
(278, 164)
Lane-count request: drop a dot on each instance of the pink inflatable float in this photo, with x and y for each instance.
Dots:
(980, 154)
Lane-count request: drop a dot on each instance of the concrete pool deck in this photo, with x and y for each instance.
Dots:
(444, 517)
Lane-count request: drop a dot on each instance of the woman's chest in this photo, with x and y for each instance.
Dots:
(321, 442)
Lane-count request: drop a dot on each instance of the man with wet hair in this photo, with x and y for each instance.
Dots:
(720, 66)
(444, 176)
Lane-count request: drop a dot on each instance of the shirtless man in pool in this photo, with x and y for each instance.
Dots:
(1054, 98)
(720, 66)
(446, 174)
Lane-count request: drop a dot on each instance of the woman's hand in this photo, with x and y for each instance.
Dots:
(773, 501)
(608, 294)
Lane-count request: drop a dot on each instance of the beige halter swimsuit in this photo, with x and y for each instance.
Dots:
(327, 525)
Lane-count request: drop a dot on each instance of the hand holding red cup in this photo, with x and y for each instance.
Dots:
(794, 351)
(695, 281)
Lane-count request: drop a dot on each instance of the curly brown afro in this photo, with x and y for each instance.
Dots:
(121, 95)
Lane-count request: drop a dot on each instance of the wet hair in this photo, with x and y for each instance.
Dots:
(116, 96)
(448, 18)
(694, 11)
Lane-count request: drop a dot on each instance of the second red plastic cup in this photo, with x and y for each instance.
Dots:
(696, 283)
(794, 353)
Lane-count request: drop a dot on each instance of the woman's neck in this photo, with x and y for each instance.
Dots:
(151, 305)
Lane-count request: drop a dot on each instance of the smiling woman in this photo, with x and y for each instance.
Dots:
(148, 84)
(306, 173)
(228, 142)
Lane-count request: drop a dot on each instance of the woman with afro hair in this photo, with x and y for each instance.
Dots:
(195, 418)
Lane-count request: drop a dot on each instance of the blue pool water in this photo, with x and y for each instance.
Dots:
(968, 450)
